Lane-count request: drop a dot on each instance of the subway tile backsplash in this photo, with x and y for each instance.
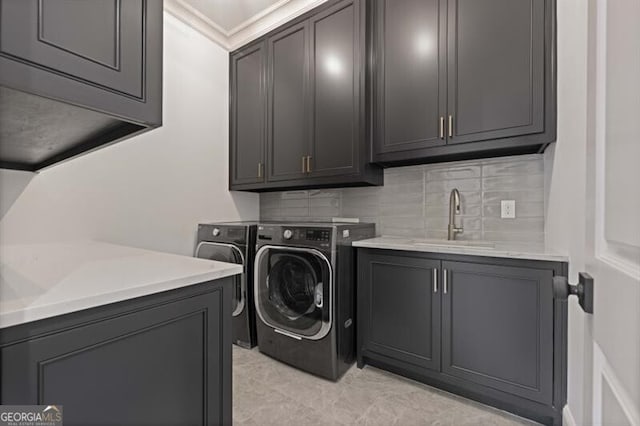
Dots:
(414, 200)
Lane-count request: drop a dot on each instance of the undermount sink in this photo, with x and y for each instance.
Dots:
(455, 243)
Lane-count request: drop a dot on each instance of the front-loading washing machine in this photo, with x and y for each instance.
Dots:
(234, 242)
(304, 293)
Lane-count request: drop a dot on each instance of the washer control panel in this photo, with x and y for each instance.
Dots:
(237, 234)
(322, 235)
(293, 235)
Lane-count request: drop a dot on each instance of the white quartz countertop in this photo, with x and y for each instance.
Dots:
(503, 250)
(39, 281)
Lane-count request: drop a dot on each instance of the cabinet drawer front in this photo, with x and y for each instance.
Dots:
(496, 85)
(401, 311)
(498, 328)
(100, 42)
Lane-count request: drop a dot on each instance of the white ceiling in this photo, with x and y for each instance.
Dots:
(233, 23)
(230, 14)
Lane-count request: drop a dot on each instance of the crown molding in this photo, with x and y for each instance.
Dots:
(254, 27)
(197, 21)
(258, 16)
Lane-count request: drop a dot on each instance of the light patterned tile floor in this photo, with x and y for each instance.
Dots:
(267, 392)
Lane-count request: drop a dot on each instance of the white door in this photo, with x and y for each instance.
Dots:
(612, 254)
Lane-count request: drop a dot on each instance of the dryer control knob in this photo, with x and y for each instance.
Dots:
(216, 232)
(287, 234)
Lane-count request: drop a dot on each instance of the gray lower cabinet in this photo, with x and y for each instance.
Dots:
(316, 105)
(488, 329)
(163, 359)
(497, 327)
(400, 302)
(458, 79)
(76, 75)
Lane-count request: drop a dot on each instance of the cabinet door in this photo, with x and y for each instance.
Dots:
(99, 42)
(497, 327)
(399, 308)
(168, 364)
(288, 109)
(496, 68)
(335, 82)
(410, 74)
(248, 102)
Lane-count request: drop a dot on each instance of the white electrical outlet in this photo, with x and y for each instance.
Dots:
(508, 209)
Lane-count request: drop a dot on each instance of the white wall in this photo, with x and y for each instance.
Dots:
(565, 172)
(149, 191)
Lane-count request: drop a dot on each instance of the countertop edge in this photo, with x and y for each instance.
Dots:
(376, 243)
(36, 313)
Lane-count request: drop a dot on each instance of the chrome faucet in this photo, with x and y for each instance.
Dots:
(454, 209)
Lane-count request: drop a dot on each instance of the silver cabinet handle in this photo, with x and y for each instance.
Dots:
(445, 282)
(441, 127)
(435, 280)
(450, 126)
(259, 170)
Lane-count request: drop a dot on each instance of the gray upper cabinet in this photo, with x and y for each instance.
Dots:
(288, 113)
(496, 69)
(497, 328)
(410, 81)
(248, 106)
(335, 79)
(98, 42)
(316, 109)
(75, 76)
(460, 79)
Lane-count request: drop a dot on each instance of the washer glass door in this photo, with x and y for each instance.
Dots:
(231, 254)
(293, 291)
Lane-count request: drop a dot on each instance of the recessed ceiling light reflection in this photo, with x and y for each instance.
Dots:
(423, 45)
(333, 65)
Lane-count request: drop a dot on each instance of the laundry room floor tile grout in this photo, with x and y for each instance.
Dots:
(268, 392)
